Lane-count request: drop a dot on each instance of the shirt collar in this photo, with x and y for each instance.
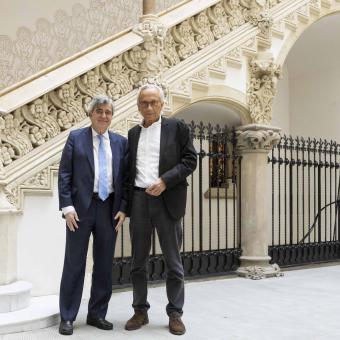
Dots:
(157, 122)
(95, 134)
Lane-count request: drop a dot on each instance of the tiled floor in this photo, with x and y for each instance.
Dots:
(303, 305)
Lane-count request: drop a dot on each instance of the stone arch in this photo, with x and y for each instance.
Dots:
(289, 44)
(217, 96)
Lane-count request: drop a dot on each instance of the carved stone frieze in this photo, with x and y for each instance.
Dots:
(219, 65)
(40, 180)
(219, 20)
(235, 11)
(39, 121)
(264, 74)
(264, 23)
(202, 31)
(14, 137)
(257, 139)
(201, 75)
(235, 53)
(171, 58)
(184, 37)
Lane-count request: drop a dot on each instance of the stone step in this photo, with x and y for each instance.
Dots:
(42, 312)
(15, 296)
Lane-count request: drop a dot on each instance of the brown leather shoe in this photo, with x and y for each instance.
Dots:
(176, 326)
(139, 319)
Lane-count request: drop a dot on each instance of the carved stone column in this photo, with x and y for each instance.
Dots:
(254, 143)
(149, 7)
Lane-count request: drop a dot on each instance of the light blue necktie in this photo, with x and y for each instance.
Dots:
(103, 191)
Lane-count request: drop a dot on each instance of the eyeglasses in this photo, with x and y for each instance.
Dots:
(100, 112)
(145, 104)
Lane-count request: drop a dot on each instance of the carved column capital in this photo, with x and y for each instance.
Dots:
(263, 77)
(256, 137)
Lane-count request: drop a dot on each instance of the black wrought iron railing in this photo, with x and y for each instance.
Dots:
(305, 201)
(211, 226)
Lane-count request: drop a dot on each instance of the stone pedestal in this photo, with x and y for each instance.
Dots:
(8, 241)
(254, 143)
(18, 312)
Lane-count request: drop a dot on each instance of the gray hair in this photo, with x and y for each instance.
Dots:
(97, 101)
(152, 87)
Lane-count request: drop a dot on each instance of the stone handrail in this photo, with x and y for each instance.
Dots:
(37, 116)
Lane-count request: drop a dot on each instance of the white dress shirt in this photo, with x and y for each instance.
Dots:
(147, 162)
(108, 154)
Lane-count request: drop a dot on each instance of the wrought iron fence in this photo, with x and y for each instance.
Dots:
(211, 232)
(305, 201)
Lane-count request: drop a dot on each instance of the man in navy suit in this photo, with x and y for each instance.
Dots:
(91, 198)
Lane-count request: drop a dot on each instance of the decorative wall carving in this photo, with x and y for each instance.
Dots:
(34, 49)
(264, 74)
(39, 121)
(151, 63)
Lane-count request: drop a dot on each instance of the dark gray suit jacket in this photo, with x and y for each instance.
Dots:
(177, 160)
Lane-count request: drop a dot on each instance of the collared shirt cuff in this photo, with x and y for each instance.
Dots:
(68, 209)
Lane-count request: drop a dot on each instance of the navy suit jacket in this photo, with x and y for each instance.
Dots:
(76, 171)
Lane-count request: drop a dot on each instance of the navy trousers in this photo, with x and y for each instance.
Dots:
(99, 221)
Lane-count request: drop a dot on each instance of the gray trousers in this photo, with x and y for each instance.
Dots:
(149, 212)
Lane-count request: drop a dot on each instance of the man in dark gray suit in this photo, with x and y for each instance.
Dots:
(161, 156)
(90, 183)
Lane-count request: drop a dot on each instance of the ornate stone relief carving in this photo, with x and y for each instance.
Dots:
(184, 37)
(202, 30)
(39, 121)
(219, 20)
(36, 48)
(235, 12)
(264, 74)
(151, 58)
(171, 57)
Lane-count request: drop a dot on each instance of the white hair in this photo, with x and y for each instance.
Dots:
(153, 87)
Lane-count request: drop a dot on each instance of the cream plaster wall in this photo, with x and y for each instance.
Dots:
(315, 104)
(41, 243)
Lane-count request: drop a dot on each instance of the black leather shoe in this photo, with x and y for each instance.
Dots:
(66, 327)
(99, 323)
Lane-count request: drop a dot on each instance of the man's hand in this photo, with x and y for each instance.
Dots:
(71, 220)
(156, 188)
(120, 216)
